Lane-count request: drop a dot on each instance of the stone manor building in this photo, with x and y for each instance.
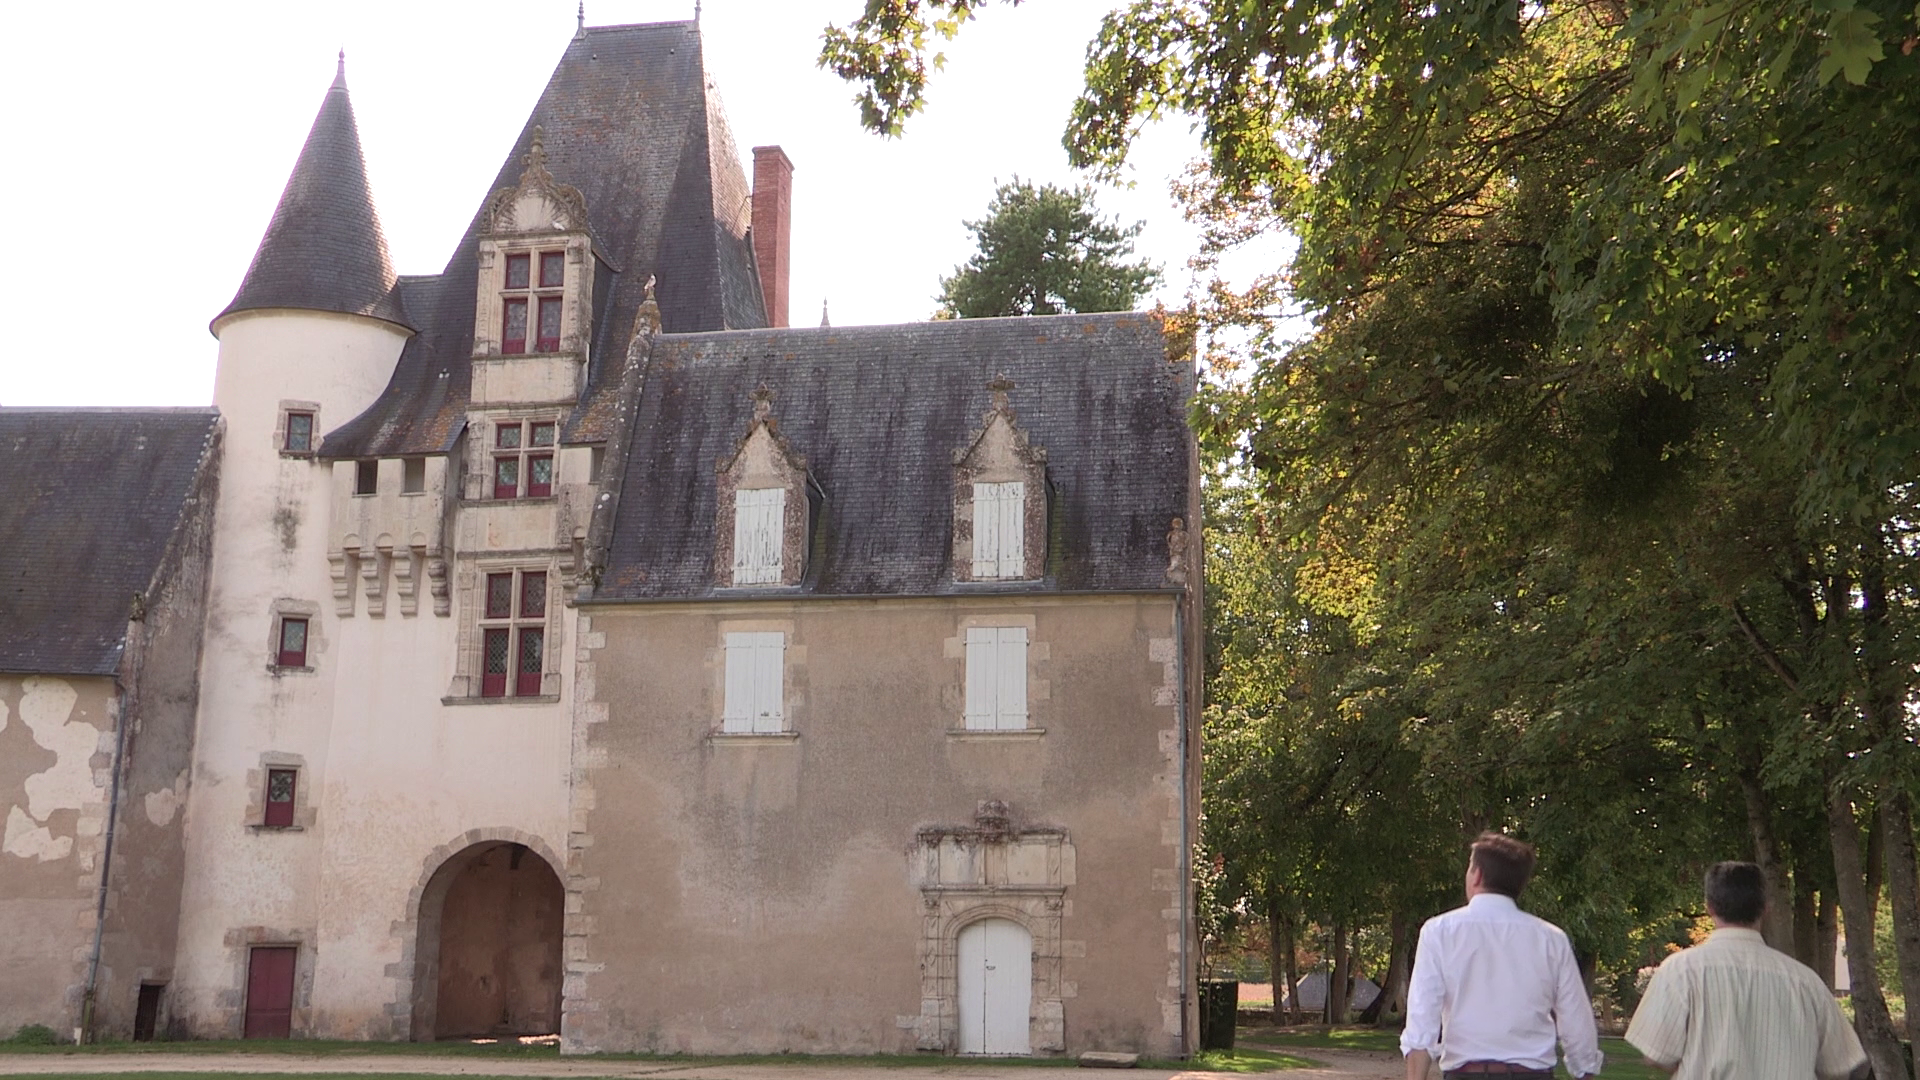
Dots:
(562, 643)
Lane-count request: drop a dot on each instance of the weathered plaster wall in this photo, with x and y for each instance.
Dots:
(774, 893)
(161, 673)
(56, 749)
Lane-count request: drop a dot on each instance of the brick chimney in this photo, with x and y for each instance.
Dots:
(772, 200)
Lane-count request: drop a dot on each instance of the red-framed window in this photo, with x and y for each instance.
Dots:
(513, 623)
(299, 439)
(292, 651)
(523, 458)
(281, 784)
(532, 305)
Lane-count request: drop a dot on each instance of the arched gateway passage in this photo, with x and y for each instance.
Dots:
(489, 942)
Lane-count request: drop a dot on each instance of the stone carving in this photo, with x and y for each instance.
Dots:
(568, 206)
(1177, 548)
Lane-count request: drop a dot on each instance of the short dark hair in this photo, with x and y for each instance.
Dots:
(1505, 864)
(1736, 892)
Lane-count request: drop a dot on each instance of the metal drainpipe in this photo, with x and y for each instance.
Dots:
(1185, 880)
(84, 1033)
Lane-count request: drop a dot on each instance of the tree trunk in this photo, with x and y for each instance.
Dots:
(1806, 928)
(1876, 870)
(1777, 924)
(1903, 889)
(1406, 941)
(1337, 991)
(1376, 1010)
(1279, 955)
(1869, 1007)
(1829, 930)
(1294, 1012)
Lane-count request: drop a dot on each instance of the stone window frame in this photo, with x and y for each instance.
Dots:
(470, 650)
(792, 690)
(1039, 689)
(991, 457)
(281, 610)
(559, 224)
(288, 407)
(305, 813)
(782, 469)
(489, 451)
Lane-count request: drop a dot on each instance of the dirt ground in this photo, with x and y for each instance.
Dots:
(1341, 1065)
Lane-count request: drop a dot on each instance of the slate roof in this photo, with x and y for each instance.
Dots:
(89, 500)
(324, 250)
(877, 412)
(630, 118)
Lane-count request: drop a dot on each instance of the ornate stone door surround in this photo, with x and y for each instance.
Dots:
(990, 870)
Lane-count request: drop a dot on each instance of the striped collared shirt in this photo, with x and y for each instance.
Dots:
(1732, 1007)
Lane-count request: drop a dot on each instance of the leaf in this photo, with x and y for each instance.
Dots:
(1852, 47)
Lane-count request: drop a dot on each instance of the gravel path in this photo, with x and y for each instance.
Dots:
(1341, 1065)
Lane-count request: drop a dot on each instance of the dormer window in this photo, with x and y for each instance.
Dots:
(999, 530)
(764, 507)
(999, 499)
(523, 458)
(759, 527)
(521, 299)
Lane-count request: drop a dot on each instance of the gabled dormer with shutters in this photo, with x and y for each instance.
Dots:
(534, 308)
(763, 508)
(999, 499)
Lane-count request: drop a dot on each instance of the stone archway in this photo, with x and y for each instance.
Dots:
(488, 945)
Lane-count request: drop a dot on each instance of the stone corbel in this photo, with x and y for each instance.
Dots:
(340, 566)
(373, 579)
(437, 584)
(406, 579)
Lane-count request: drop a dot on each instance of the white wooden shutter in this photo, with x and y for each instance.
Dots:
(737, 713)
(986, 531)
(1011, 662)
(1013, 530)
(758, 532)
(769, 674)
(983, 678)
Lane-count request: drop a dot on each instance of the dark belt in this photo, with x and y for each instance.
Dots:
(1498, 1068)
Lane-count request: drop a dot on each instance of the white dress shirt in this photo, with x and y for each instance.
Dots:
(1492, 983)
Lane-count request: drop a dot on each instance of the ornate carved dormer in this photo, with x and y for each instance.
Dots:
(534, 306)
(762, 511)
(999, 498)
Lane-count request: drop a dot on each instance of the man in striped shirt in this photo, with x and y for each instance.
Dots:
(1732, 1007)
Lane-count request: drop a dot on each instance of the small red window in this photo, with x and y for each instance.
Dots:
(528, 683)
(299, 433)
(513, 336)
(549, 323)
(293, 643)
(280, 785)
(499, 596)
(533, 594)
(543, 434)
(517, 266)
(493, 673)
(539, 475)
(506, 477)
(552, 269)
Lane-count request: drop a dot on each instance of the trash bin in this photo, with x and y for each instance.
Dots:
(1219, 1010)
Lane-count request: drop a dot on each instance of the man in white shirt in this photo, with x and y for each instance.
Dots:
(1493, 986)
(1731, 1008)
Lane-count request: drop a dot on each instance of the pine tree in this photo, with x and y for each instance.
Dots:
(1045, 251)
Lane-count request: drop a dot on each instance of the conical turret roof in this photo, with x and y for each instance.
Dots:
(324, 250)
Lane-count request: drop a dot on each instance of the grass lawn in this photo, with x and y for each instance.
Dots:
(1623, 1061)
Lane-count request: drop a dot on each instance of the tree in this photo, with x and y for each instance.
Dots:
(1045, 251)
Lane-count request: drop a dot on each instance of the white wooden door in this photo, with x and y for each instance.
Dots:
(996, 987)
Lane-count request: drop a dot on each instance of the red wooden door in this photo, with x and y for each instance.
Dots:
(270, 992)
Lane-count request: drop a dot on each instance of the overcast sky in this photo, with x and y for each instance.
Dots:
(148, 144)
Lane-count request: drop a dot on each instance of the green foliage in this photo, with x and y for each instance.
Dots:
(34, 1035)
(1045, 251)
(885, 55)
